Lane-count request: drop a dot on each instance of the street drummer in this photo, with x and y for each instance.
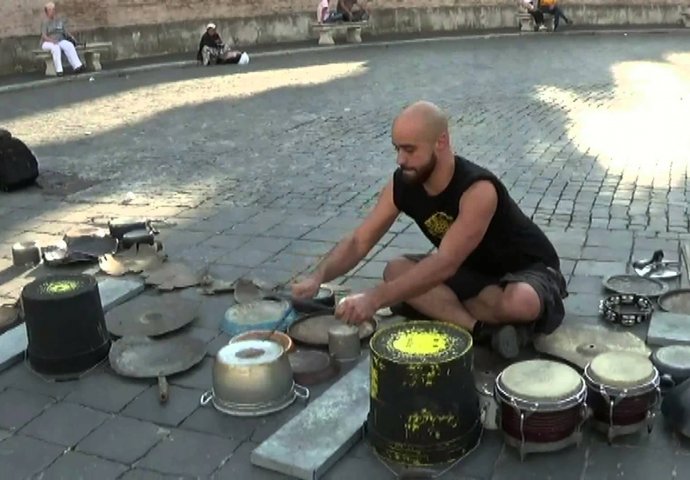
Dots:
(493, 272)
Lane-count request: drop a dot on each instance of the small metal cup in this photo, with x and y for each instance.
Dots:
(344, 342)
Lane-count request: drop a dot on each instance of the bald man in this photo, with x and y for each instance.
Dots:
(493, 269)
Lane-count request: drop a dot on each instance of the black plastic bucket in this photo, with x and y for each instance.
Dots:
(65, 324)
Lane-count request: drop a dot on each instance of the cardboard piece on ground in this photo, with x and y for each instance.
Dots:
(580, 344)
(113, 291)
(667, 328)
(316, 438)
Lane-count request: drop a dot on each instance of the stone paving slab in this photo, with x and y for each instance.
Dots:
(293, 159)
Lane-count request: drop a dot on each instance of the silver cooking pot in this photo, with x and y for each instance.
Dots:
(251, 378)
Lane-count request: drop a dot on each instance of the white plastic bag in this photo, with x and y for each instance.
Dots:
(244, 59)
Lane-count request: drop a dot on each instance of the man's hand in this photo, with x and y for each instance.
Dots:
(306, 289)
(357, 308)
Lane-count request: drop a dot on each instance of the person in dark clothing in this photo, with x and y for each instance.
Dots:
(551, 7)
(352, 10)
(493, 267)
(213, 49)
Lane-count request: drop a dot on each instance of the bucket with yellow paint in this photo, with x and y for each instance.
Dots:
(424, 408)
(65, 324)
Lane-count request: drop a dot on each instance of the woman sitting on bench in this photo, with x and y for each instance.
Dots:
(56, 39)
(213, 49)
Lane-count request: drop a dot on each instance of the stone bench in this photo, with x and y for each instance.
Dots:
(526, 22)
(89, 53)
(353, 31)
(685, 18)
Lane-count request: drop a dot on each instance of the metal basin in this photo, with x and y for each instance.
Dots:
(252, 372)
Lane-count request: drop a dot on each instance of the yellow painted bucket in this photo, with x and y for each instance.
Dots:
(424, 408)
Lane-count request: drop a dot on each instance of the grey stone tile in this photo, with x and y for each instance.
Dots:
(291, 262)
(415, 242)
(273, 275)
(17, 408)
(269, 244)
(309, 247)
(64, 424)
(198, 377)
(209, 420)
(245, 256)
(390, 253)
(178, 240)
(568, 251)
(217, 343)
(143, 474)
(567, 464)
(480, 463)
(611, 253)
(20, 377)
(606, 461)
(74, 465)
(371, 270)
(328, 234)
(355, 467)
(181, 403)
(122, 439)
(189, 453)
(585, 284)
(22, 457)
(292, 232)
(107, 391)
(606, 238)
(599, 269)
(239, 466)
(582, 304)
(226, 241)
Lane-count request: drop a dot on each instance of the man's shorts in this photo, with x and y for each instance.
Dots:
(548, 282)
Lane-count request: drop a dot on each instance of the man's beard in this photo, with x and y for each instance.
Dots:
(417, 176)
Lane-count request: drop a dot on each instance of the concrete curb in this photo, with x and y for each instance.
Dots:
(296, 51)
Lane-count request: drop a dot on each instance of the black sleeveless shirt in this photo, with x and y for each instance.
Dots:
(512, 242)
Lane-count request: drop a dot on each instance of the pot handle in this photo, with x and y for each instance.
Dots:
(205, 398)
(302, 392)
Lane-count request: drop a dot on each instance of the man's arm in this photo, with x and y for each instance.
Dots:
(353, 248)
(477, 207)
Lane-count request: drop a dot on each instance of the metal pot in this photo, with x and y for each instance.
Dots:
(253, 377)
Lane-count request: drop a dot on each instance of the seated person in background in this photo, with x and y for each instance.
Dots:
(324, 15)
(537, 15)
(551, 6)
(212, 48)
(353, 10)
(56, 39)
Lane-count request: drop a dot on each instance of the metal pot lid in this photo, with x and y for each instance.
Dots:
(313, 329)
(250, 352)
(311, 367)
(635, 285)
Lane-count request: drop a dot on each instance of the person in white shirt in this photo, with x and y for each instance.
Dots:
(532, 6)
(56, 39)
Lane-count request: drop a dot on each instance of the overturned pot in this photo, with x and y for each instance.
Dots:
(253, 378)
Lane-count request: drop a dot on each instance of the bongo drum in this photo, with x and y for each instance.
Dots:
(542, 406)
(622, 391)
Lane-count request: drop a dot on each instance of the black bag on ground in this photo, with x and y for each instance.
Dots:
(18, 164)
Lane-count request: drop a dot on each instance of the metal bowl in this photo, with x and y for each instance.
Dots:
(251, 372)
(278, 337)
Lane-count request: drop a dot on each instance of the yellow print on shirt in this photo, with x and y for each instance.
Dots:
(438, 224)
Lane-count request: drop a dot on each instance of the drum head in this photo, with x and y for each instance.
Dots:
(673, 360)
(421, 342)
(621, 369)
(540, 380)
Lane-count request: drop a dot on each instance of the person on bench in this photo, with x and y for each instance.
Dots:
(353, 10)
(324, 15)
(551, 7)
(537, 15)
(212, 48)
(56, 39)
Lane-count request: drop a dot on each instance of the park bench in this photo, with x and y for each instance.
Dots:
(685, 18)
(353, 31)
(90, 54)
(526, 22)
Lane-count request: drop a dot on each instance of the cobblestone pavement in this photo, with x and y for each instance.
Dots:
(260, 170)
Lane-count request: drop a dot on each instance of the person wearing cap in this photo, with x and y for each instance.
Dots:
(56, 39)
(212, 48)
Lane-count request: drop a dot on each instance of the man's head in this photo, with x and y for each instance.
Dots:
(420, 136)
(211, 28)
(49, 8)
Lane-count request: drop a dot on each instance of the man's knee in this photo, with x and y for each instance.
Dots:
(396, 267)
(519, 303)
